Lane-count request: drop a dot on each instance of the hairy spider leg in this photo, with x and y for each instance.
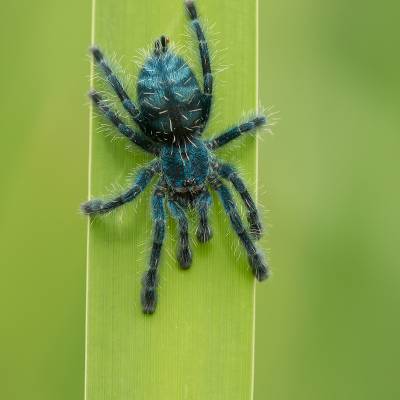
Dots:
(150, 277)
(258, 265)
(203, 203)
(236, 131)
(205, 59)
(184, 252)
(118, 88)
(138, 139)
(143, 178)
(227, 171)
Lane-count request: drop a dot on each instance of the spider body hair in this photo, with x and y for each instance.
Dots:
(169, 97)
(172, 114)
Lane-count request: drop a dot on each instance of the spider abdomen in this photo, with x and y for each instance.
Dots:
(170, 97)
(185, 167)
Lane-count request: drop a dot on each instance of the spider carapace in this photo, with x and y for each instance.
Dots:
(172, 115)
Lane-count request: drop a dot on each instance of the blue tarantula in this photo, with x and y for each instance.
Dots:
(172, 116)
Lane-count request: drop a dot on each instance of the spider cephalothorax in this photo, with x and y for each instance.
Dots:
(172, 114)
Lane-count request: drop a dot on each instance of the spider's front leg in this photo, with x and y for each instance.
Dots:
(184, 252)
(150, 278)
(257, 263)
(204, 232)
(98, 206)
(228, 172)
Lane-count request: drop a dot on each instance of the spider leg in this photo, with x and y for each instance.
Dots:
(138, 139)
(236, 131)
(258, 265)
(205, 58)
(228, 172)
(117, 86)
(143, 178)
(184, 252)
(203, 202)
(150, 278)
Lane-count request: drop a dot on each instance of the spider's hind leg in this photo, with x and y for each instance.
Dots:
(117, 86)
(204, 232)
(257, 263)
(205, 58)
(184, 252)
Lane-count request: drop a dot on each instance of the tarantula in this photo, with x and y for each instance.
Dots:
(172, 115)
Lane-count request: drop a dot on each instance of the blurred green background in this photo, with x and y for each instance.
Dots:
(327, 323)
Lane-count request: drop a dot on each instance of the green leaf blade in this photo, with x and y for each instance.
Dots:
(199, 343)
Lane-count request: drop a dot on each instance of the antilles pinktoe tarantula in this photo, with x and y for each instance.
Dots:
(172, 115)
